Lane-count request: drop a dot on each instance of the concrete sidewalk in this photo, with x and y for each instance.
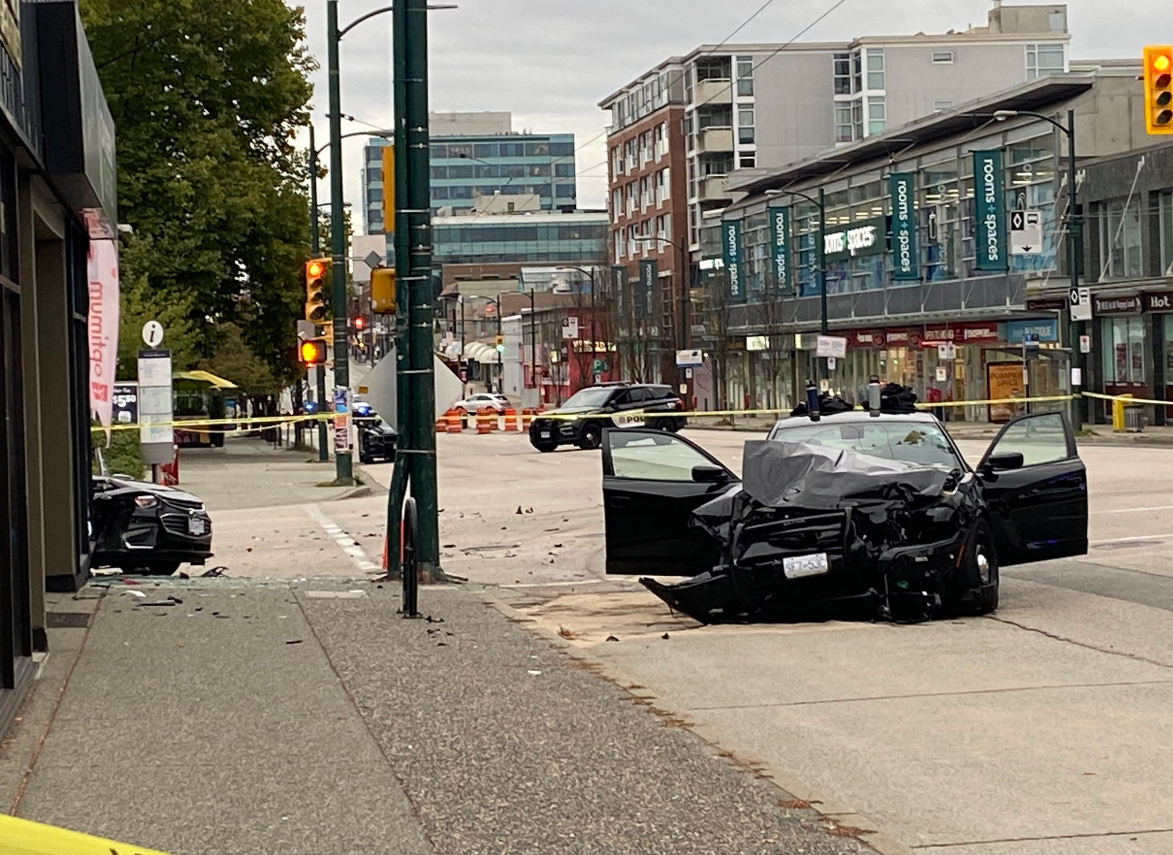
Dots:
(222, 716)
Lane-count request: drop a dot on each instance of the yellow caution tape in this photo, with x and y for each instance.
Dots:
(22, 837)
(240, 424)
(1127, 399)
(928, 405)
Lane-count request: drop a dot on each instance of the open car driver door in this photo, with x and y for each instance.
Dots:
(1036, 488)
(652, 482)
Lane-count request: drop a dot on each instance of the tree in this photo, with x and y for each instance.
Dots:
(206, 96)
(141, 303)
(233, 360)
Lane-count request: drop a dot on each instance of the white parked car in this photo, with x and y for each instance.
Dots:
(482, 401)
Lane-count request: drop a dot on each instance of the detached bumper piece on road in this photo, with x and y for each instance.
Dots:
(817, 533)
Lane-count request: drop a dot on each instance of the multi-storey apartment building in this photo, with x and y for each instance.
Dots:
(724, 108)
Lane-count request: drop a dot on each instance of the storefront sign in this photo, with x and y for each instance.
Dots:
(1046, 304)
(644, 302)
(865, 238)
(903, 338)
(1158, 302)
(619, 283)
(125, 403)
(905, 254)
(731, 247)
(102, 327)
(1117, 305)
(757, 342)
(989, 210)
(975, 333)
(1004, 380)
(865, 338)
(780, 243)
(1019, 331)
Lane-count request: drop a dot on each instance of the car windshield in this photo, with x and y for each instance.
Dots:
(593, 397)
(912, 442)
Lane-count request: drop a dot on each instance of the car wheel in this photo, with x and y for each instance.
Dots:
(363, 457)
(544, 447)
(592, 436)
(981, 571)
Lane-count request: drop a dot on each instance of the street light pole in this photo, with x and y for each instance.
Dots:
(343, 469)
(500, 352)
(533, 341)
(1074, 232)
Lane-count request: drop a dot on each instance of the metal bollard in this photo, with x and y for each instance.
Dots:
(409, 568)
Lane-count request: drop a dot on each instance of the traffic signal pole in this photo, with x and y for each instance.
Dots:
(421, 311)
(315, 251)
(343, 468)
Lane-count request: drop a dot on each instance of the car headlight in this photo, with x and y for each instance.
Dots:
(146, 501)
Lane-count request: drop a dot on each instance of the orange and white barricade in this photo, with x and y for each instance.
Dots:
(510, 419)
(455, 421)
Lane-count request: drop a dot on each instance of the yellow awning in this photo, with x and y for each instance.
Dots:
(205, 377)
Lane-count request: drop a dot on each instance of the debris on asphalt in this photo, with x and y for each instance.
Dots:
(535, 673)
(518, 511)
(565, 633)
(138, 594)
(612, 638)
(183, 575)
(431, 619)
(295, 641)
(529, 510)
(215, 571)
(557, 545)
(664, 636)
(449, 546)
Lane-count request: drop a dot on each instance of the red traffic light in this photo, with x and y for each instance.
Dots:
(313, 351)
(360, 322)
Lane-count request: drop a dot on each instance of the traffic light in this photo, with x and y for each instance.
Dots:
(1158, 89)
(317, 297)
(500, 344)
(312, 351)
(360, 323)
(383, 291)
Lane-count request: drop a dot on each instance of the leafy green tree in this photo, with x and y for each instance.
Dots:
(206, 96)
(233, 360)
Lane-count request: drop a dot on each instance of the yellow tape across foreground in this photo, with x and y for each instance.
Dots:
(22, 837)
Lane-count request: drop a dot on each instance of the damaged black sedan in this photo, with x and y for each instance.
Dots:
(858, 514)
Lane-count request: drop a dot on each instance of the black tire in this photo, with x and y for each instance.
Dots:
(218, 441)
(544, 447)
(591, 436)
(980, 571)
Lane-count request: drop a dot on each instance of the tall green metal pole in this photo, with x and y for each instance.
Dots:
(421, 379)
(821, 249)
(399, 226)
(315, 251)
(342, 463)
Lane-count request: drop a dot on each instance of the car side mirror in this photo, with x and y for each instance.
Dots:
(708, 474)
(609, 408)
(1003, 462)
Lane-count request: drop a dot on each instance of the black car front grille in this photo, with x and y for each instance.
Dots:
(178, 524)
(791, 535)
(183, 504)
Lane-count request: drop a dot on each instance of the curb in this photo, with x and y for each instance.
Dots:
(800, 796)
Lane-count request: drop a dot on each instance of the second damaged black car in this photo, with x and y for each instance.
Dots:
(856, 515)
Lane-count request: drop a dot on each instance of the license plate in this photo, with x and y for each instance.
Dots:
(196, 526)
(545, 434)
(805, 565)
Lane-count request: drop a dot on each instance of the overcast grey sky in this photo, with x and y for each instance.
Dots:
(550, 62)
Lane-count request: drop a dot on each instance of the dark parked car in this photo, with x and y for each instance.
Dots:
(377, 440)
(606, 401)
(857, 514)
(147, 528)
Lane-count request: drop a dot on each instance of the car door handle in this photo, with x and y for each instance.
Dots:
(620, 501)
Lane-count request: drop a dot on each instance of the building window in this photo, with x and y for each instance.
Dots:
(942, 57)
(461, 150)
(876, 115)
(856, 71)
(1044, 60)
(483, 150)
(561, 149)
(875, 69)
(843, 132)
(440, 172)
(437, 151)
(564, 191)
(439, 192)
(564, 170)
(1124, 350)
(537, 149)
(512, 149)
(745, 75)
(745, 125)
(1120, 240)
(857, 119)
(842, 74)
(747, 161)
(941, 106)
(1165, 206)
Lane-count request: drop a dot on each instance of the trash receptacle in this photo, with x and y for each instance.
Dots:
(1133, 418)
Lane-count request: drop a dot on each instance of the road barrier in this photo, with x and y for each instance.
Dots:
(510, 419)
(22, 837)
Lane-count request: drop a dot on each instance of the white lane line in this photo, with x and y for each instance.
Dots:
(344, 540)
(1143, 538)
(555, 584)
(1135, 510)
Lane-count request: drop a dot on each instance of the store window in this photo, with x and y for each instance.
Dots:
(1120, 239)
(1165, 209)
(1124, 350)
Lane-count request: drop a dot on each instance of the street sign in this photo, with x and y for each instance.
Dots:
(942, 374)
(155, 406)
(373, 259)
(1026, 232)
(830, 363)
(570, 328)
(1085, 344)
(947, 350)
(1080, 300)
(152, 334)
(1030, 341)
(831, 346)
(598, 366)
(689, 357)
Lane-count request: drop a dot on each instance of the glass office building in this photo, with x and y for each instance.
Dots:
(464, 167)
(536, 237)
